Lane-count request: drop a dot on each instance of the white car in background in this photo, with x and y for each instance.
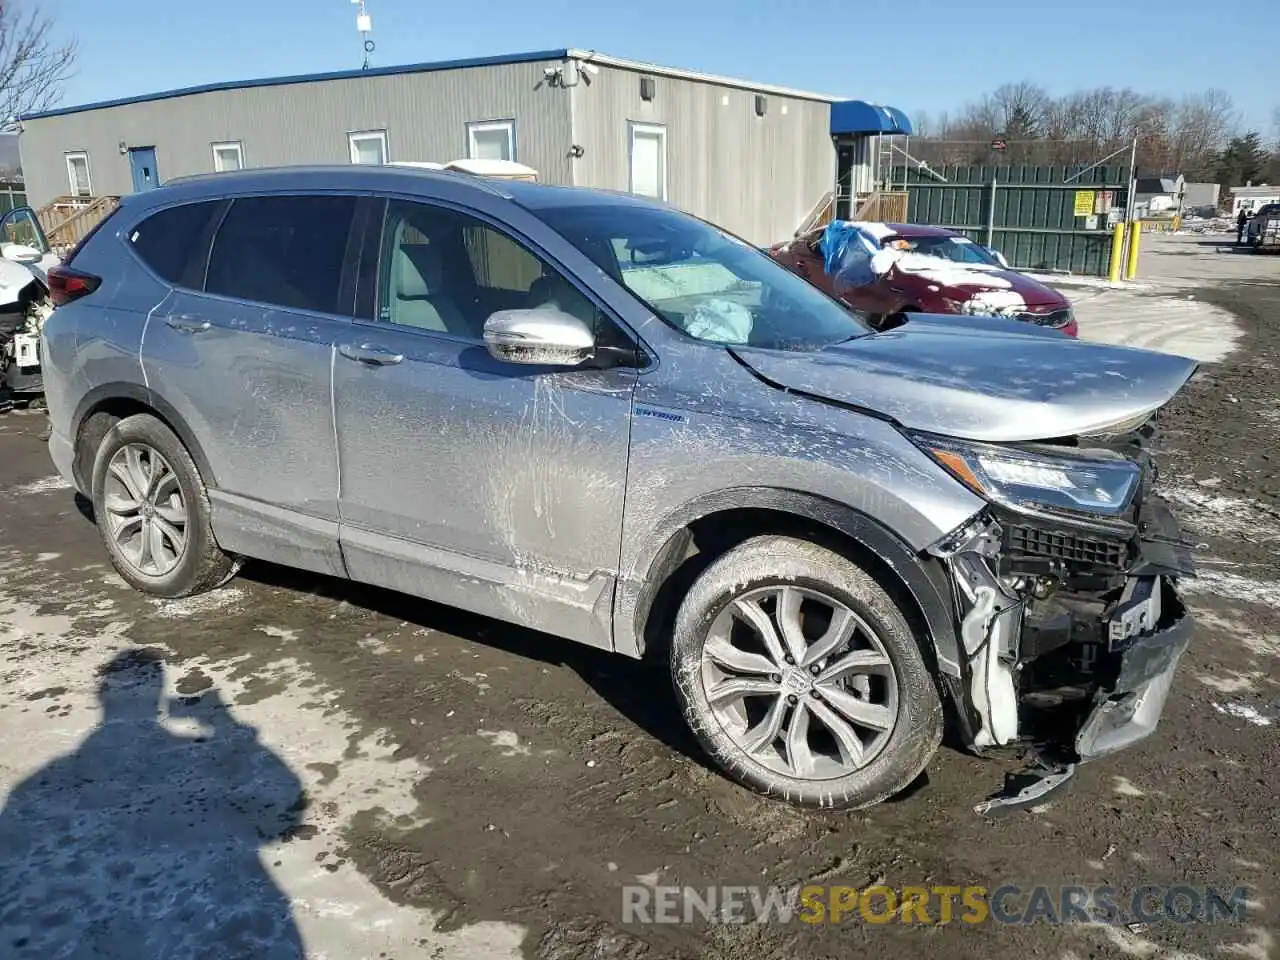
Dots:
(25, 260)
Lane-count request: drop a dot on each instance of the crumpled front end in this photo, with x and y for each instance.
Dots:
(1071, 626)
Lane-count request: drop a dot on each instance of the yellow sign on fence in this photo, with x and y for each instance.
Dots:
(1084, 203)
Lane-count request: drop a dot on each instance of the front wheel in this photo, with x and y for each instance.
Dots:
(801, 678)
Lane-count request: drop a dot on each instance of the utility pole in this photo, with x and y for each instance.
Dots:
(364, 25)
(1133, 179)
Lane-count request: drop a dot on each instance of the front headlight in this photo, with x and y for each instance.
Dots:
(1021, 479)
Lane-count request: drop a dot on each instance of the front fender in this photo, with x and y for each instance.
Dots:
(919, 573)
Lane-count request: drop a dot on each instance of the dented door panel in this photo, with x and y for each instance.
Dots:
(488, 485)
(251, 382)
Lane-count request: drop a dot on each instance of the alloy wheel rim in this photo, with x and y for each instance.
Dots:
(145, 510)
(799, 682)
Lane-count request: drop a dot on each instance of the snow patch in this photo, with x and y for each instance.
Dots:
(201, 603)
(1235, 587)
(507, 741)
(949, 273)
(1259, 948)
(1243, 711)
(279, 633)
(1239, 683)
(345, 767)
(998, 302)
(1223, 516)
(374, 645)
(44, 485)
(1262, 645)
(1125, 788)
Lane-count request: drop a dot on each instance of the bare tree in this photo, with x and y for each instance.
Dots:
(33, 62)
(1085, 126)
(1201, 127)
(1023, 107)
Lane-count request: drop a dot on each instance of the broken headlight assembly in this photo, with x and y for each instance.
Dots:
(1029, 480)
(1068, 618)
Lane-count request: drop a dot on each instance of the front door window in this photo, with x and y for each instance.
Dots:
(445, 271)
(21, 227)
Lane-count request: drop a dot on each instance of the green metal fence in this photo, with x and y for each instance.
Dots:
(1040, 218)
(10, 199)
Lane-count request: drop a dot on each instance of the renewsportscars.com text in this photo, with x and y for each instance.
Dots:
(880, 904)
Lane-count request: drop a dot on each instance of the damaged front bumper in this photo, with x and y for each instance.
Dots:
(1127, 709)
(1071, 634)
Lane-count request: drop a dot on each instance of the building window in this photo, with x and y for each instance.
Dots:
(368, 146)
(78, 174)
(492, 140)
(228, 156)
(648, 152)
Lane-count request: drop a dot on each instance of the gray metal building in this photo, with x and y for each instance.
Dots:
(754, 158)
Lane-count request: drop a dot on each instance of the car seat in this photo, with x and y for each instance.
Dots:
(417, 298)
(554, 290)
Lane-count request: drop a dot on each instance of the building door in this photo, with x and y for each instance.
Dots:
(648, 149)
(142, 163)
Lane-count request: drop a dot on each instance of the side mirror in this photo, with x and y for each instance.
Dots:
(20, 253)
(546, 336)
(999, 257)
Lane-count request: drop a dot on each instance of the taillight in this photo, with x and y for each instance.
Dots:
(67, 284)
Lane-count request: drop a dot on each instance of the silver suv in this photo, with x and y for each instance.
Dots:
(601, 418)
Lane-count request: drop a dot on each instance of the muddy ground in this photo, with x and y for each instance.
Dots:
(430, 784)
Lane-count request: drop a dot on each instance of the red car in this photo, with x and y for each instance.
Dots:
(930, 270)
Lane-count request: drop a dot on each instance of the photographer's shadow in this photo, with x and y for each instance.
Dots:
(144, 844)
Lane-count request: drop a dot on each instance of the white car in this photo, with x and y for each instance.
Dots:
(25, 260)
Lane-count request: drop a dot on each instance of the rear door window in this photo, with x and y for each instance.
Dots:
(175, 242)
(287, 251)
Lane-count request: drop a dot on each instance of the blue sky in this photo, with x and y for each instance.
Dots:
(913, 54)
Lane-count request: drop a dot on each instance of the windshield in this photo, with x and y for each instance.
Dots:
(702, 281)
(959, 249)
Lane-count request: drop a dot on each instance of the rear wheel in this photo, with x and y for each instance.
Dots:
(153, 513)
(801, 677)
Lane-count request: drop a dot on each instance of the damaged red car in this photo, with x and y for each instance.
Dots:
(912, 268)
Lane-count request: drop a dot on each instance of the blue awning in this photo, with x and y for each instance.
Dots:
(858, 116)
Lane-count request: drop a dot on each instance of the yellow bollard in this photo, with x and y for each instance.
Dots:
(1131, 263)
(1117, 253)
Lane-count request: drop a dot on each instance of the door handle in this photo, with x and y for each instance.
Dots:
(370, 353)
(187, 324)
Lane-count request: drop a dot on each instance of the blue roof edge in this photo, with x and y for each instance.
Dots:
(431, 67)
(858, 116)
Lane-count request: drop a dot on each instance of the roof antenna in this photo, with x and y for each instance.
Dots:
(364, 24)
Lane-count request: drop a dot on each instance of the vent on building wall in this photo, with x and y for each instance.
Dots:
(647, 88)
(762, 105)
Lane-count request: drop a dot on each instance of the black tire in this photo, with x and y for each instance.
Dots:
(783, 561)
(202, 565)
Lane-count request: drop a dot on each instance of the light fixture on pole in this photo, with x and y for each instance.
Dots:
(364, 25)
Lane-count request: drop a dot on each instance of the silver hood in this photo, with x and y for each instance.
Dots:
(992, 381)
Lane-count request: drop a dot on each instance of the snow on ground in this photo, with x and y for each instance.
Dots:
(1176, 322)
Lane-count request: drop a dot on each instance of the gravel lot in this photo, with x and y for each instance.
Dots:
(377, 776)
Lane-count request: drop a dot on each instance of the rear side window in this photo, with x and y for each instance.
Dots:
(286, 251)
(175, 242)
